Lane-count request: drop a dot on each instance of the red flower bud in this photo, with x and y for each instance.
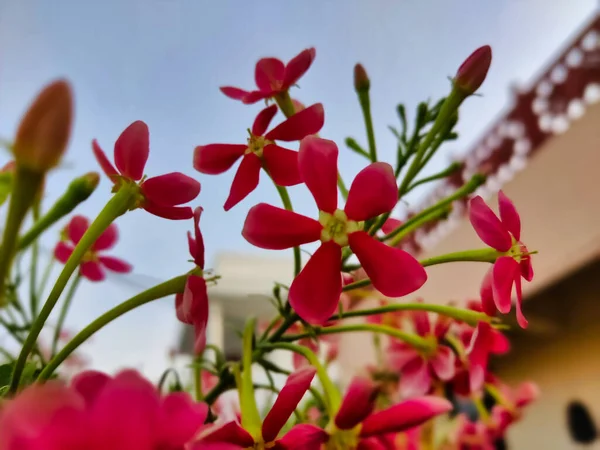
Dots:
(361, 79)
(472, 72)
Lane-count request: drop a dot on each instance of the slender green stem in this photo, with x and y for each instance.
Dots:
(342, 186)
(414, 223)
(170, 287)
(33, 298)
(488, 255)
(287, 204)
(45, 278)
(443, 174)
(356, 285)
(284, 101)
(365, 106)
(197, 371)
(64, 310)
(250, 414)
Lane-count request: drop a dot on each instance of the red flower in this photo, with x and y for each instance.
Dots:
(504, 235)
(261, 151)
(273, 77)
(315, 292)
(93, 264)
(159, 195)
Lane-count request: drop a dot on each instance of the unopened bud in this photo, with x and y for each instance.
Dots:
(361, 79)
(82, 187)
(44, 131)
(472, 72)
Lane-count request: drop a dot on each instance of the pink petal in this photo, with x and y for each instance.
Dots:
(390, 225)
(268, 73)
(358, 403)
(443, 363)
(256, 96)
(400, 355)
(169, 212)
(503, 276)
(304, 437)
(63, 251)
(77, 228)
(373, 192)
(526, 266)
(405, 415)
(526, 393)
(392, 271)
(376, 443)
(298, 66)
(287, 401)
(263, 119)
(275, 228)
(304, 123)
(500, 343)
(317, 162)
(282, 165)
(92, 271)
(104, 162)
(181, 418)
(230, 432)
(315, 292)
(487, 226)
(521, 320)
(421, 322)
(478, 354)
(233, 92)
(132, 149)
(192, 305)
(245, 180)
(89, 384)
(170, 189)
(213, 159)
(107, 239)
(487, 294)
(115, 264)
(415, 379)
(509, 215)
(196, 243)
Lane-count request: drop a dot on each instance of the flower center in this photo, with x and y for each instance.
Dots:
(337, 227)
(262, 445)
(90, 255)
(518, 251)
(256, 144)
(342, 440)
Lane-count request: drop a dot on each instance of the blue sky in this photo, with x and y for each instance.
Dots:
(162, 61)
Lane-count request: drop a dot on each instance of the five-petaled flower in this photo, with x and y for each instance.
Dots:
(159, 195)
(93, 263)
(315, 292)
(273, 77)
(504, 235)
(261, 151)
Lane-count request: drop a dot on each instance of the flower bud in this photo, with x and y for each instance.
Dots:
(472, 72)
(44, 131)
(361, 79)
(82, 187)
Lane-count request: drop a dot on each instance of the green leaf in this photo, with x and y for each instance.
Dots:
(6, 374)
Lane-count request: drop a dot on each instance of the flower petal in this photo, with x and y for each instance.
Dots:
(115, 264)
(317, 162)
(213, 159)
(487, 226)
(487, 294)
(304, 123)
(107, 239)
(478, 354)
(77, 228)
(509, 215)
(92, 271)
(89, 384)
(181, 418)
(230, 432)
(268, 73)
(275, 228)
(399, 355)
(245, 180)
(503, 276)
(421, 322)
(282, 165)
(304, 437)
(526, 266)
(169, 212)
(358, 403)
(170, 189)
(500, 343)
(234, 92)
(295, 387)
(263, 119)
(256, 96)
(132, 149)
(390, 225)
(104, 162)
(392, 271)
(298, 66)
(62, 251)
(521, 320)
(196, 243)
(374, 191)
(192, 305)
(404, 415)
(443, 363)
(315, 292)
(415, 379)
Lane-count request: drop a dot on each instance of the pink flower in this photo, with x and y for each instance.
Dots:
(315, 292)
(93, 263)
(504, 235)
(160, 195)
(261, 151)
(273, 77)
(98, 412)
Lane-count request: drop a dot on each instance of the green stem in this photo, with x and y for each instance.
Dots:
(170, 287)
(287, 204)
(443, 174)
(356, 285)
(197, 371)
(63, 311)
(33, 297)
(342, 186)
(365, 106)
(488, 255)
(284, 101)
(416, 222)
(45, 277)
(250, 415)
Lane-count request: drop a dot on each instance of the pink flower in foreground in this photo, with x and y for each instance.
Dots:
(315, 292)
(504, 235)
(93, 263)
(261, 151)
(98, 412)
(159, 195)
(273, 77)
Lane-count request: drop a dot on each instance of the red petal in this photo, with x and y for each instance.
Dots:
(521, 320)
(282, 165)
(304, 123)
(526, 266)
(256, 96)
(400, 355)
(443, 363)
(304, 437)
(317, 162)
(315, 292)
(245, 180)
(170, 189)
(503, 276)
(526, 393)
(63, 251)
(358, 403)
(263, 119)
(115, 264)
(132, 149)
(268, 73)
(199, 338)
(196, 244)
(213, 159)
(169, 212)
(390, 225)
(230, 432)
(298, 66)
(89, 384)
(421, 322)
(274, 228)
(295, 387)
(392, 271)
(233, 92)
(405, 415)
(77, 228)
(415, 379)
(500, 343)
(107, 239)
(487, 294)
(478, 354)
(487, 226)
(509, 215)
(105, 164)
(373, 192)
(192, 305)
(92, 271)
(181, 418)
